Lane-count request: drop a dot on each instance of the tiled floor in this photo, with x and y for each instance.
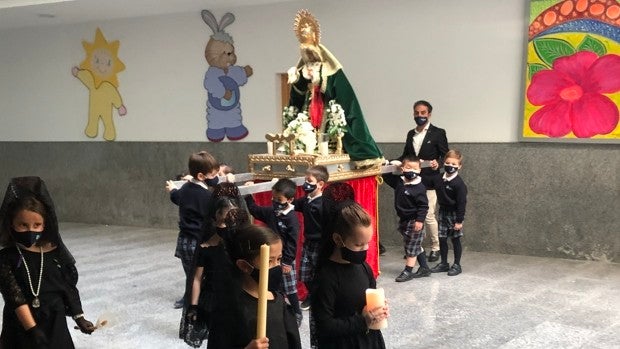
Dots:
(129, 276)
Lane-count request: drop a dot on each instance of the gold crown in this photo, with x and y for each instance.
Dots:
(307, 28)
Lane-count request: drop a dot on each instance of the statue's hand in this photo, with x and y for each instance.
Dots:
(293, 75)
(122, 110)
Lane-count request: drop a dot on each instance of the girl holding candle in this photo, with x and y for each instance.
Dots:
(235, 317)
(339, 308)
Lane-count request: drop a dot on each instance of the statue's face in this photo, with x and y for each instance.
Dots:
(310, 54)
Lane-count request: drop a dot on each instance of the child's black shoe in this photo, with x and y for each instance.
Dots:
(422, 272)
(454, 270)
(440, 268)
(405, 276)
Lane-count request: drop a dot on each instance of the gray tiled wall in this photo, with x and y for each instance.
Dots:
(543, 199)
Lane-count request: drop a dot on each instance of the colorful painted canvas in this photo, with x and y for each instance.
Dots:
(572, 87)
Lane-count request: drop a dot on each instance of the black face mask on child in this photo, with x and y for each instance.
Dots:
(212, 182)
(275, 278)
(410, 175)
(308, 187)
(355, 257)
(26, 238)
(450, 169)
(279, 206)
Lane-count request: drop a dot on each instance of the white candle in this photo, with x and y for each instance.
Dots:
(270, 148)
(324, 148)
(375, 297)
(263, 293)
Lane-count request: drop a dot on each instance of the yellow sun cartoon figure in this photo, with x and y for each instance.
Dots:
(98, 73)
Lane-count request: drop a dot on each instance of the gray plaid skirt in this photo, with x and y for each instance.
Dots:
(186, 246)
(446, 220)
(411, 239)
(290, 283)
(309, 258)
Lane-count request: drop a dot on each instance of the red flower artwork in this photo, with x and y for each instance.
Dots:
(572, 96)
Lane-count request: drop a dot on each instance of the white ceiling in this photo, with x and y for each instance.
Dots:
(27, 13)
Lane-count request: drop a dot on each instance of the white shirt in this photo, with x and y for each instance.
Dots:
(418, 138)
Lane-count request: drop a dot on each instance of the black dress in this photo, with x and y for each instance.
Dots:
(236, 326)
(214, 260)
(337, 304)
(58, 296)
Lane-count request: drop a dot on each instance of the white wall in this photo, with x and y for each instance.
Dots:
(465, 57)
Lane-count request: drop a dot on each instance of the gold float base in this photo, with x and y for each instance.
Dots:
(340, 167)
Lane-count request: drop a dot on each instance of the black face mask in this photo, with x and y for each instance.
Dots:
(308, 187)
(275, 278)
(26, 238)
(450, 169)
(212, 182)
(410, 175)
(355, 257)
(420, 120)
(279, 206)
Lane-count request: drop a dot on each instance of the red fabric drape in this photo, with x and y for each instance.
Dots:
(366, 194)
(316, 107)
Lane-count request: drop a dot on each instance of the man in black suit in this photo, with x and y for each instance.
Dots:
(430, 145)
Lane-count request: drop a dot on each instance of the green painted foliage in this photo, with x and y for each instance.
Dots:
(591, 44)
(549, 49)
(533, 68)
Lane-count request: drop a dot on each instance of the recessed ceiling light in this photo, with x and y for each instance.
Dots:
(46, 15)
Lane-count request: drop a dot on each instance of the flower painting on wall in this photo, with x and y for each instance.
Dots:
(572, 87)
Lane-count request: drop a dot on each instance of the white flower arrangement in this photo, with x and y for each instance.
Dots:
(305, 136)
(289, 114)
(298, 124)
(336, 123)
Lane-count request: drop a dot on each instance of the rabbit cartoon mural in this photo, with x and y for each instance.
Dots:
(98, 73)
(222, 82)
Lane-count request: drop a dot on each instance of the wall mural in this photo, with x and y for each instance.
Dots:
(222, 82)
(98, 73)
(573, 71)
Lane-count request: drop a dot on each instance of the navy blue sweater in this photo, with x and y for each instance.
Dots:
(410, 200)
(285, 225)
(313, 217)
(192, 200)
(452, 196)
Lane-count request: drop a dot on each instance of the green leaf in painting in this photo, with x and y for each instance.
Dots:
(533, 68)
(549, 49)
(592, 44)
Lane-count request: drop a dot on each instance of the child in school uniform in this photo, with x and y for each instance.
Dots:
(235, 316)
(452, 199)
(38, 278)
(311, 206)
(210, 269)
(192, 199)
(282, 219)
(411, 206)
(339, 299)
